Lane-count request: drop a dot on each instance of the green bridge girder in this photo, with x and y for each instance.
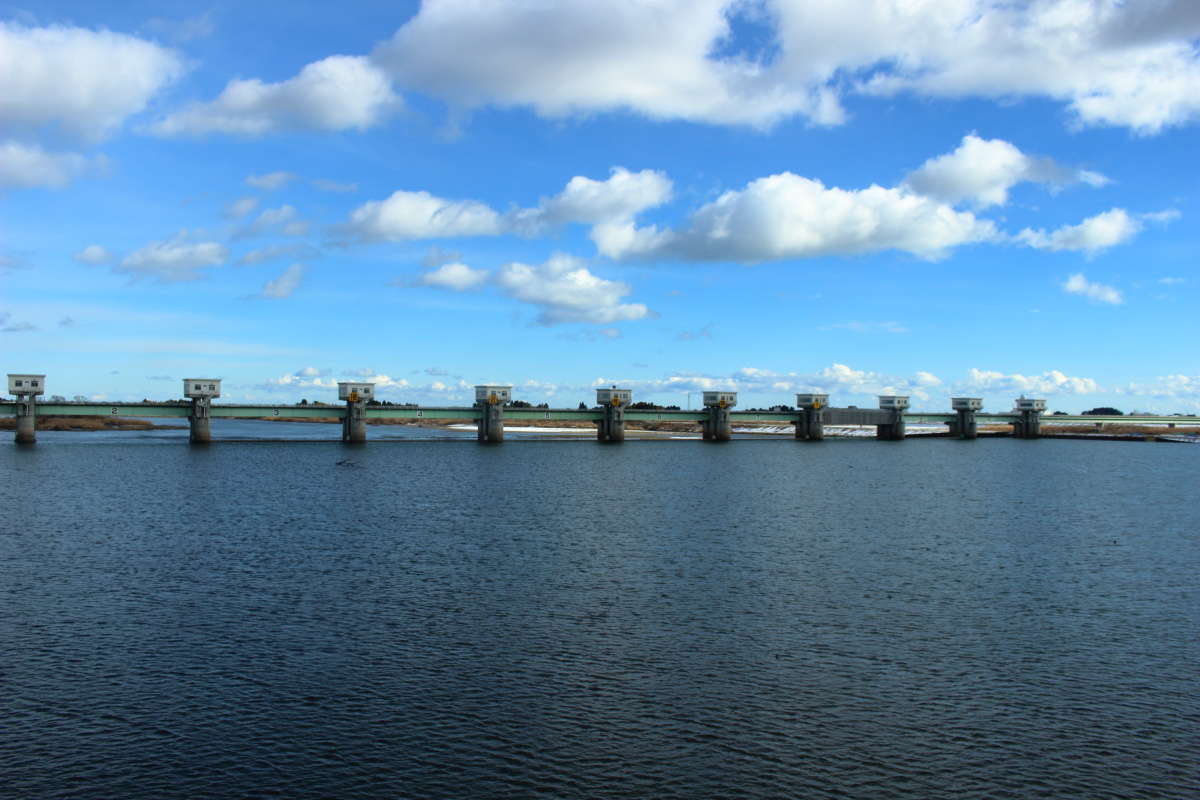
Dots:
(466, 413)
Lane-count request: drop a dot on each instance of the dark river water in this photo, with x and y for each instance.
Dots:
(557, 619)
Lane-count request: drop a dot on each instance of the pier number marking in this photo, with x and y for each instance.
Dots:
(420, 414)
(275, 412)
(114, 411)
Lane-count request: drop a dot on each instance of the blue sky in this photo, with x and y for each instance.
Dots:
(960, 197)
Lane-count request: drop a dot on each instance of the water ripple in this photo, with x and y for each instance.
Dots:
(557, 619)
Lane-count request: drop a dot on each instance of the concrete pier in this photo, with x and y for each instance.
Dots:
(1029, 426)
(354, 424)
(964, 425)
(26, 388)
(491, 399)
(26, 420)
(201, 391)
(613, 402)
(893, 430)
(717, 426)
(356, 395)
(199, 421)
(810, 421)
(491, 424)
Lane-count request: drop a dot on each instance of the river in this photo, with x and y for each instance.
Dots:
(671, 619)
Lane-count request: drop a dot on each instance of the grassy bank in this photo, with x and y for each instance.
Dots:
(1118, 429)
(1119, 432)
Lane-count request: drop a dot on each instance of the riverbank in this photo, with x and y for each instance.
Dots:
(1117, 432)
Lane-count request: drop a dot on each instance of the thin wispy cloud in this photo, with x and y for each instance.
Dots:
(285, 284)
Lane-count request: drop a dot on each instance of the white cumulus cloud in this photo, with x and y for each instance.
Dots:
(1179, 388)
(314, 378)
(842, 379)
(333, 94)
(421, 215)
(1109, 62)
(563, 290)
(1051, 382)
(173, 260)
(381, 380)
(842, 382)
(1078, 284)
(777, 217)
(566, 291)
(1094, 234)
(82, 81)
(1096, 56)
(26, 166)
(300, 379)
(454, 276)
(621, 197)
(981, 171)
(580, 56)
(788, 216)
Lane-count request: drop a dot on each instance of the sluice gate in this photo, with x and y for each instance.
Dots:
(494, 407)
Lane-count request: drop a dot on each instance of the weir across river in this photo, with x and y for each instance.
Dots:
(493, 407)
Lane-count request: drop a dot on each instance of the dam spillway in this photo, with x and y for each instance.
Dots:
(494, 406)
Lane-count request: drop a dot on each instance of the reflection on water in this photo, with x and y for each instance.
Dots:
(562, 619)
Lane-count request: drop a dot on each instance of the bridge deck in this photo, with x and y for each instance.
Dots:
(833, 416)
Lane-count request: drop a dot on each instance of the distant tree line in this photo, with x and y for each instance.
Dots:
(374, 402)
